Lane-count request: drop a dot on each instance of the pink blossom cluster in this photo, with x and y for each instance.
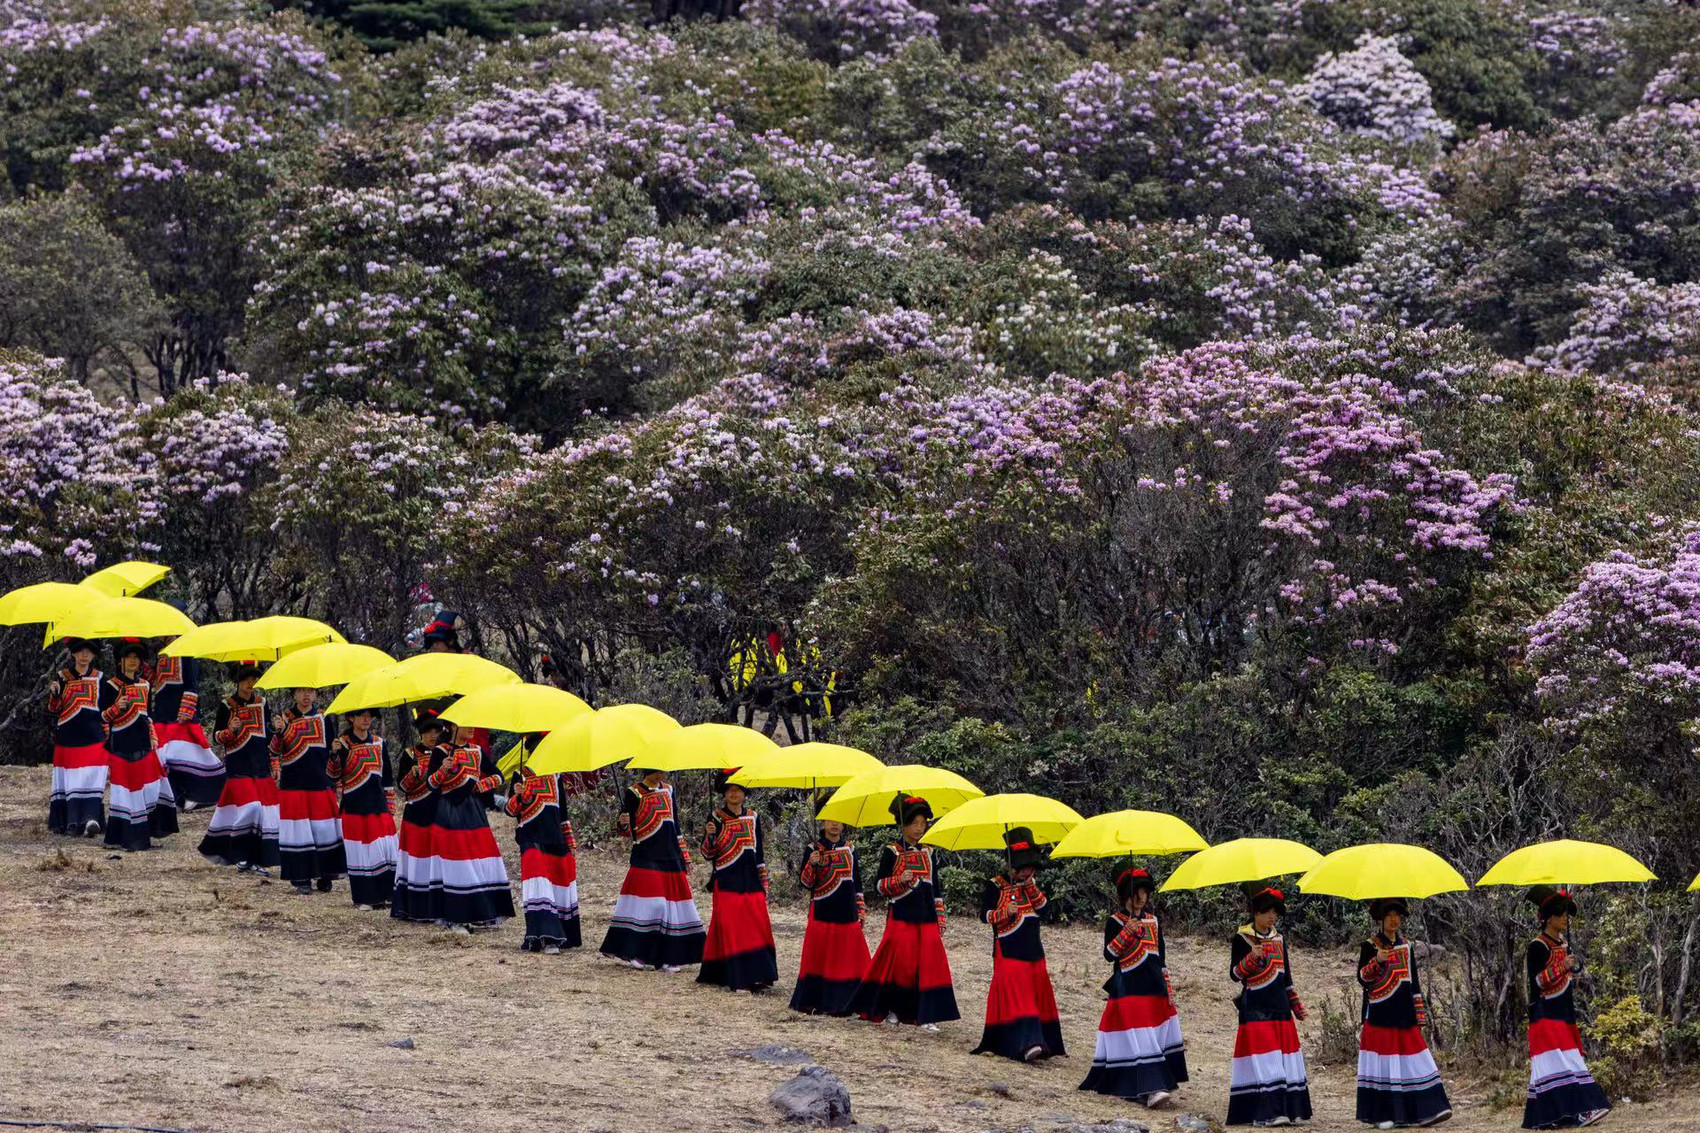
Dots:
(1375, 92)
(840, 30)
(1626, 640)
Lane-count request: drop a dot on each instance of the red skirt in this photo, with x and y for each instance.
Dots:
(739, 953)
(835, 960)
(909, 976)
(1021, 1010)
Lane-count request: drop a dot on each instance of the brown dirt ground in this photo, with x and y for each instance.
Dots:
(157, 989)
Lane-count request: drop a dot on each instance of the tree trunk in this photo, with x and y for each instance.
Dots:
(1685, 969)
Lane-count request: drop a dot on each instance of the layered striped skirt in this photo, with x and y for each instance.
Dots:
(1397, 1078)
(79, 788)
(656, 920)
(196, 774)
(1268, 1078)
(244, 826)
(1561, 1090)
(549, 892)
(1139, 1049)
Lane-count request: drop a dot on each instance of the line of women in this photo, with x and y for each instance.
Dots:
(315, 803)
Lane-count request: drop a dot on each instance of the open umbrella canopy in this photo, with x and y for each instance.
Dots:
(1695, 887)
(1243, 859)
(45, 602)
(123, 617)
(123, 580)
(517, 708)
(425, 676)
(1566, 862)
(1382, 869)
(704, 746)
(1130, 832)
(324, 665)
(866, 799)
(260, 639)
(980, 824)
(509, 761)
(607, 735)
(806, 766)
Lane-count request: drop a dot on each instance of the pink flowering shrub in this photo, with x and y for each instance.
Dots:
(839, 30)
(1624, 646)
(1375, 92)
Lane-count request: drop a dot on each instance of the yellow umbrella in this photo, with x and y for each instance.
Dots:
(605, 736)
(866, 799)
(1243, 859)
(121, 580)
(123, 617)
(509, 761)
(260, 639)
(1565, 862)
(321, 666)
(704, 746)
(980, 824)
(1382, 869)
(517, 708)
(1695, 888)
(809, 766)
(425, 676)
(45, 602)
(1130, 832)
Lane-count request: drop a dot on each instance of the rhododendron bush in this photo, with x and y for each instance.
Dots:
(1276, 409)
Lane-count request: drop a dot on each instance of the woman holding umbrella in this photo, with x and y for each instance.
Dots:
(738, 953)
(80, 758)
(244, 827)
(1562, 1093)
(360, 768)
(195, 773)
(310, 830)
(1268, 1085)
(655, 923)
(134, 814)
(1021, 1007)
(835, 953)
(474, 877)
(909, 980)
(1398, 1082)
(418, 873)
(1139, 1053)
(548, 863)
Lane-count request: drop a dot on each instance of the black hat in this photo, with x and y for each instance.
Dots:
(442, 628)
(129, 647)
(1381, 906)
(905, 808)
(247, 671)
(723, 780)
(1260, 897)
(1130, 878)
(78, 644)
(426, 719)
(1551, 901)
(1018, 843)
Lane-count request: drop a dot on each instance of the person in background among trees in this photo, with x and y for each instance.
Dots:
(360, 769)
(474, 877)
(835, 953)
(909, 979)
(134, 815)
(548, 862)
(1021, 1007)
(244, 827)
(738, 953)
(81, 763)
(1398, 1082)
(310, 827)
(1562, 1093)
(655, 923)
(419, 871)
(195, 773)
(1267, 1085)
(1140, 1053)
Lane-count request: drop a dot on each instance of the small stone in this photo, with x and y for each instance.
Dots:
(403, 1044)
(814, 1097)
(1187, 1123)
(777, 1054)
(1001, 1089)
(976, 1103)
